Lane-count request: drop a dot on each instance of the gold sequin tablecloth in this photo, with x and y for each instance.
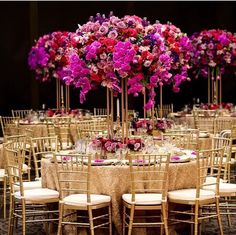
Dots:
(189, 120)
(114, 181)
(2, 159)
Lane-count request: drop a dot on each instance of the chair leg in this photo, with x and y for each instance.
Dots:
(61, 209)
(131, 219)
(164, 212)
(23, 218)
(228, 211)
(110, 220)
(218, 215)
(192, 225)
(90, 212)
(11, 220)
(5, 197)
(123, 224)
(196, 210)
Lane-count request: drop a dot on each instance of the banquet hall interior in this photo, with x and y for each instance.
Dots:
(118, 117)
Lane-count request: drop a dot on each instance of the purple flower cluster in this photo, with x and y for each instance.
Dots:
(107, 49)
(214, 50)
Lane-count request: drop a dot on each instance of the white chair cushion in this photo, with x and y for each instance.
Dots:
(29, 185)
(40, 194)
(25, 168)
(2, 174)
(190, 194)
(66, 145)
(233, 149)
(143, 198)
(223, 188)
(231, 161)
(38, 179)
(212, 180)
(81, 199)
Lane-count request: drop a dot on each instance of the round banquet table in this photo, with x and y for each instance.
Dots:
(2, 159)
(188, 119)
(114, 181)
(40, 129)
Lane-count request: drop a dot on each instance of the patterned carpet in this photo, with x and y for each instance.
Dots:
(211, 228)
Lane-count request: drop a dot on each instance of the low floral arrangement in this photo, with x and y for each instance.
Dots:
(112, 145)
(145, 124)
(214, 49)
(227, 106)
(159, 124)
(163, 124)
(71, 112)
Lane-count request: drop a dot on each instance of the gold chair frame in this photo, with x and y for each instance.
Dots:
(141, 165)
(74, 175)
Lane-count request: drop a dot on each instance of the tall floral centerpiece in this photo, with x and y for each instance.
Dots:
(47, 58)
(179, 49)
(120, 54)
(115, 49)
(214, 52)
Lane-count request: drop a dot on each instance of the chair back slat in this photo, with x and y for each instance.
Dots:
(148, 173)
(40, 147)
(21, 113)
(209, 164)
(9, 125)
(14, 160)
(180, 140)
(74, 172)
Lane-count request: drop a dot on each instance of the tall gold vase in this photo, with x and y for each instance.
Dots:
(214, 85)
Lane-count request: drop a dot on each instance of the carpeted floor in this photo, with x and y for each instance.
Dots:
(211, 228)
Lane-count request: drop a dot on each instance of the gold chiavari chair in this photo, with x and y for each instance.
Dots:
(3, 180)
(180, 140)
(60, 126)
(63, 132)
(21, 113)
(50, 126)
(233, 137)
(25, 203)
(9, 125)
(100, 112)
(22, 143)
(225, 143)
(221, 125)
(227, 190)
(41, 147)
(74, 174)
(208, 166)
(193, 136)
(89, 129)
(148, 173)
(165, 111)
(204, 120)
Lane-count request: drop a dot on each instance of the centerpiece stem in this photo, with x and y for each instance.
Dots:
(112, 113)
(161, 102)
(67, 98)
(122, 110)
(209, 85)
(144, 102)
(220, 80)
(58, 93)
(212, 86)
(126, 111)
(108, 113)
